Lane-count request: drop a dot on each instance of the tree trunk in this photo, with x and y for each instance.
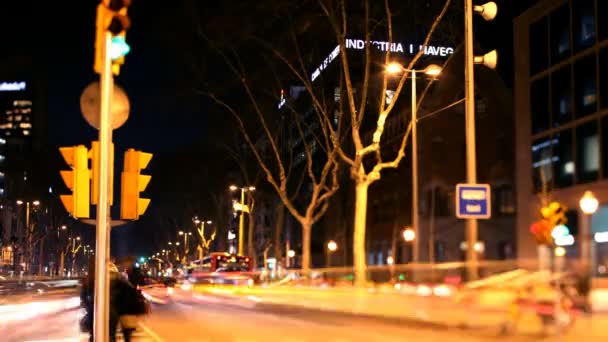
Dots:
(40, 259)
(360, 217)
(250, 249)
(278, 230)
(306, 229)
(61, 264)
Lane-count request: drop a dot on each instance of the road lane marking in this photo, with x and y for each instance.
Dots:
(149, 331)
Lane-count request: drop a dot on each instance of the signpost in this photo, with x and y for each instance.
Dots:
(473, 201)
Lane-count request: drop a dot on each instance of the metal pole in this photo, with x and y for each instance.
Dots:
(469, 82)
(28, 234)
(242, 222)
(102, 280)
(586, 241)
(415, 218)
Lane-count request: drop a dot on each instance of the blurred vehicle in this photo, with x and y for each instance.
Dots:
(221, 268)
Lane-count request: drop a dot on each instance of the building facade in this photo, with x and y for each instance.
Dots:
(561, 106)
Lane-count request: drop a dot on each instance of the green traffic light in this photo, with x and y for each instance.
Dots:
(119, 48)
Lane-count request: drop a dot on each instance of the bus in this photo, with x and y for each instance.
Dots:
(221, 268)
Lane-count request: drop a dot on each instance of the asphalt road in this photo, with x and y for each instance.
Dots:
(195, 320)
(209, 322)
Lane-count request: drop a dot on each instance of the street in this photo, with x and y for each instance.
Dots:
(192, 319)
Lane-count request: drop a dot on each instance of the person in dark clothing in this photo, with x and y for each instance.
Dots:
(136, 277)
(125, 303)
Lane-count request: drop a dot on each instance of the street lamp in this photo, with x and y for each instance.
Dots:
(243, 209)
(409, 235)
(588, 204)
(488, 12)
(332, 246)
(432, 70)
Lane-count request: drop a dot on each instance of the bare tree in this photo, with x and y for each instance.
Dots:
(204, 242)
(364, 175)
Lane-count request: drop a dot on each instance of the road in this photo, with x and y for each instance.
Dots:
(202, 320)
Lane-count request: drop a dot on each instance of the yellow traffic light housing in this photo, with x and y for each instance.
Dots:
(77, 180)
(112, 17)
(132, 183)
(94, 156)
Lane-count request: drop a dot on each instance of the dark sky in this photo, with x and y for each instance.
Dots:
(62, 40)
(165, 116)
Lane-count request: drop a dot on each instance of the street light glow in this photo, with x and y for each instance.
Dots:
(433, 70)
(233, 188)
(291, 253)
(181, 232)
(251, 188)
(209, 222)
(36, 202)
(588, 203)
(64, 227)
(20, 202)
(409, 235)
(394, 68)
(332, 246)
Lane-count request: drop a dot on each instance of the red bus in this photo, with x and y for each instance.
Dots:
(221, 268)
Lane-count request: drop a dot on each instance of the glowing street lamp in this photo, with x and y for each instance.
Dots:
(409, 235)
(433, 71)
(588, 204)
(243, 209)
(332, 246)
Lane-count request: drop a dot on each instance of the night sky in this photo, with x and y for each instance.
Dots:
(165, 115)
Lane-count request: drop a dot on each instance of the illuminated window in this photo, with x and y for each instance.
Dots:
(560, 34)
(587, 152)
(585, 88)
(18, 117)
(25, 125)
(583, 17)
(6, 126)
(26, 132)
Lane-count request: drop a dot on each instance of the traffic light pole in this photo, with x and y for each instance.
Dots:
(102, 280)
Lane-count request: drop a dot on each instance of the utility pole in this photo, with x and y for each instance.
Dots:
(469, 101)
(102, 280)
(415, 217)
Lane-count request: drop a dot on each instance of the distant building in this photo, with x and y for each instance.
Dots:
(23, 174)
(561, 112)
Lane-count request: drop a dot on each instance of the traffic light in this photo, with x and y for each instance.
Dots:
(132, 183)
(541, 231)
(112, 17)
(77, 180)
(555, 213)
(94, 156)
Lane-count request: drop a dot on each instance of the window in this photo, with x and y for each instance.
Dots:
(605, 146)
(561, 97)
(572, 224)
(539, 51)
(602, 25)
(587, 152)
(563, 166)
(539, 103)
(541, 163)
(585, 88)
(560, 34)
(504, 200)
(603, 77)
(583, 20)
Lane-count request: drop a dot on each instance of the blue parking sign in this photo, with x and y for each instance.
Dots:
(473, 201)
